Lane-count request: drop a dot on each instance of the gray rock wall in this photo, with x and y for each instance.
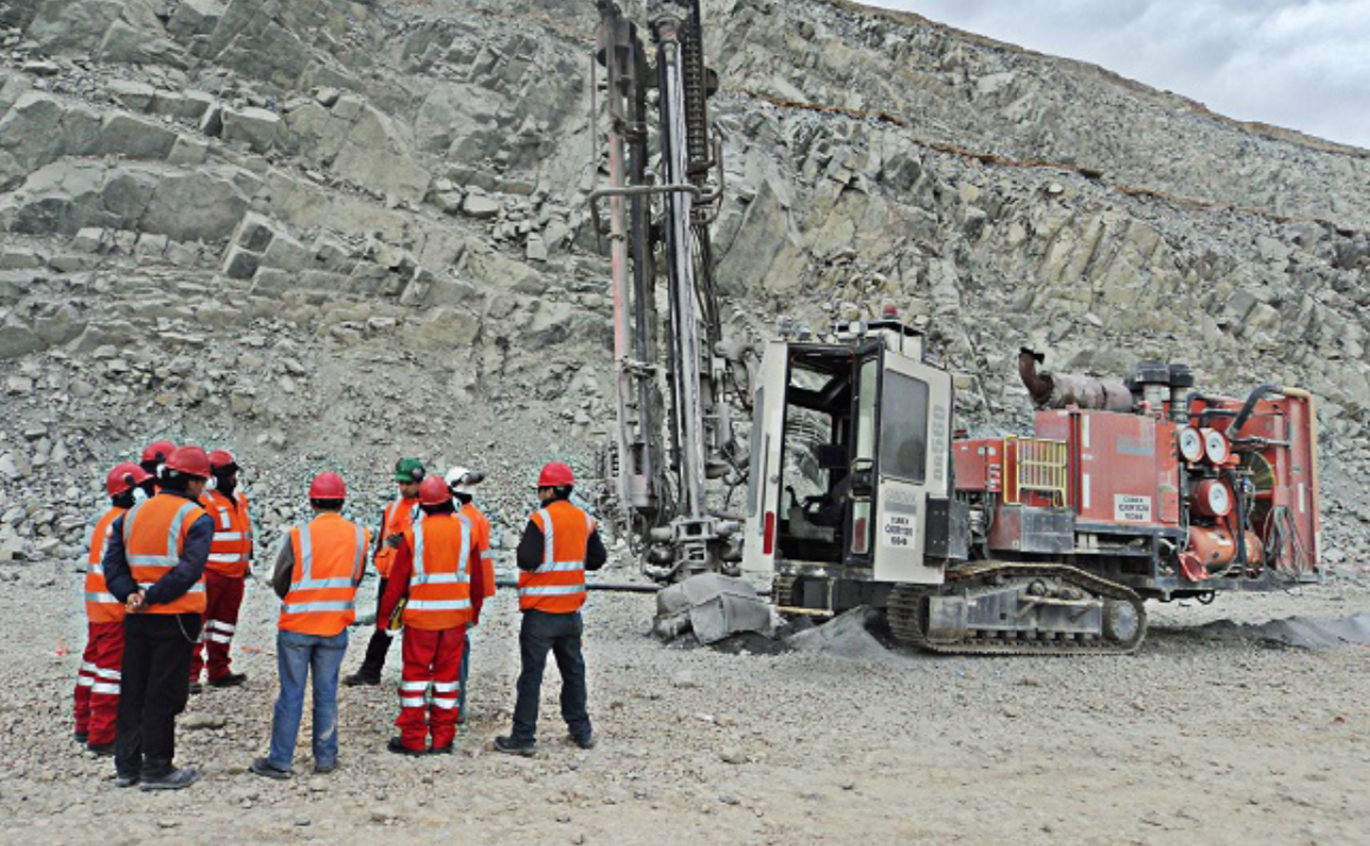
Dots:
(324, 232)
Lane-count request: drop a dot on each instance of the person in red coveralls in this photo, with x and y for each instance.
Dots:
(97, 684)
(230, 556)
(437, 571)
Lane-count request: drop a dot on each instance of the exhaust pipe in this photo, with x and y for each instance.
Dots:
(1061, 390)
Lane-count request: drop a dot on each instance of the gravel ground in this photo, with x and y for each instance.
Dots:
(1198, 739)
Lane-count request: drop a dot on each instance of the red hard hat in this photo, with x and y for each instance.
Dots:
(190, 461)
(556, 475)
(124, 477)
(433, 491)
(220, 459)
(158, 451)
(328, 486)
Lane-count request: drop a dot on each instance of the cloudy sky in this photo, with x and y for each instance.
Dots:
(1303, 64)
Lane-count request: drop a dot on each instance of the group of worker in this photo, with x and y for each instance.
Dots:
(164, 585)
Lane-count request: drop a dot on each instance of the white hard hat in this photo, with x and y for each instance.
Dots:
(463, 481)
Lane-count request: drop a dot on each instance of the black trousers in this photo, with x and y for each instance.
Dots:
(379, 644)
(559, 634)
(153, 689)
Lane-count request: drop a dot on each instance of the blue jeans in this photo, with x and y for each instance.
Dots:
(296, 655)
(559, 634)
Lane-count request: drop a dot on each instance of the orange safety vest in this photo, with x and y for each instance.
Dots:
(440, 586)
(486, 560)
(398, 519)
(329, 556)
(154, 535)
(558, 585)
(101, 606)
(231, 549)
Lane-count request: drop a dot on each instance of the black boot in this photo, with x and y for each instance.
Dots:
(370, 671)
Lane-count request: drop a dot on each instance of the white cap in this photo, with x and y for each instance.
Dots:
(460, 480)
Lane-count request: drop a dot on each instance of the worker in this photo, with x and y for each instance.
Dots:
(395, 519)
(462, 483)
(154, 563)
(97, 683)
(154, 456)
(230, 556)
(560, 542)
(436, 568)
(316, 577)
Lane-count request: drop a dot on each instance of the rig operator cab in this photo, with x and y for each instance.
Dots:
(849, 488)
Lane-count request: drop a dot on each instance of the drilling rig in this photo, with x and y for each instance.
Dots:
(858, 488)
(675, 395)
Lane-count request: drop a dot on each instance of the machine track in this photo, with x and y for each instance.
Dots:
(907, 613)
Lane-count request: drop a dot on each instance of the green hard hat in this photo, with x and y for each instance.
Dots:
(409, 470)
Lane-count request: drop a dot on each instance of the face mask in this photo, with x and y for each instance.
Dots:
(212, 484)
(139, 495)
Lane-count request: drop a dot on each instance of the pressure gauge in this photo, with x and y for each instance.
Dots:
(1215, 446)
(1191, 444)
(1212, 498)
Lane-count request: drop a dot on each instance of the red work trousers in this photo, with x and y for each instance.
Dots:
(97, 685)
(432, 659)
(223, 598)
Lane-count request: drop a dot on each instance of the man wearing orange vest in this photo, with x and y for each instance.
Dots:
(436, 568)
(154, 563)
(316, 577)
(97, 684)
(558, 545)
(462, 483)
(395, 520)
(230, 555)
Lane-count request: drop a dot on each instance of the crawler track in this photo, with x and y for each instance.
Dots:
(907, 614)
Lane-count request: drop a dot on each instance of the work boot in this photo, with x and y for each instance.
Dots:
(124, 780)
(104, 750)
(230, 680)
(509, 747)
(397, 746)
(196, 688)
(586, 742)
(264, 767)
(325, 769)
(362, 677)
(175, 780)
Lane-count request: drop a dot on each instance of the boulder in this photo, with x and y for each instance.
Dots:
(254, 127)
(241, 263)
(61, 26)
(195, 17)
(17, 340)
(480, 207)
(131, 94)
(132, 137)
(255, 232)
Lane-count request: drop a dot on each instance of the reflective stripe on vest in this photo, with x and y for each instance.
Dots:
(148, 566)
(231, 548)
(557, 586)
(443, 599)
(324, 604)
(101, 606)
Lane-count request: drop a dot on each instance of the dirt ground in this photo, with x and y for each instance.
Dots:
(1196, 740)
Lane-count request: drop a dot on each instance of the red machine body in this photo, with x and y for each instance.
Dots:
(1156, 498)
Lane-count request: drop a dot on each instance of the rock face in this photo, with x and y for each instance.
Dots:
(324, 233)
